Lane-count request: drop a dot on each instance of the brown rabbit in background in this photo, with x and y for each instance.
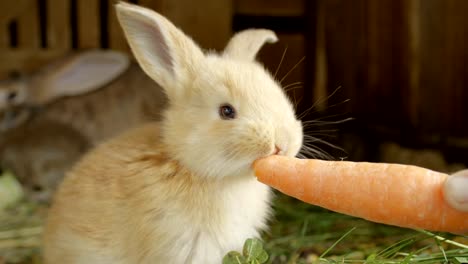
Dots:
(99, 93)
(66, 107)
(39, 154)
(181, 190)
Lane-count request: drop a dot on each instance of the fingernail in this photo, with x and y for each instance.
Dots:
(458, 188)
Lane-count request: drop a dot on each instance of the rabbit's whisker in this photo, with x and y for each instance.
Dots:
(281, 62)
(319, 101)
(292, 69)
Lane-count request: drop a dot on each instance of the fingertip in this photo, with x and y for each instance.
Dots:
(456, 190)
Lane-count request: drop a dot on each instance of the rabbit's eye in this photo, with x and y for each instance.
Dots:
(226, 111)
(11, 96)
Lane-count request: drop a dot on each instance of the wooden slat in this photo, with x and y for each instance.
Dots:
(414, 29)
(320, 92)
(88, 24)
(4, 38)
(208, 22)
(454, 110)
(28, 27)
(270, 55)
(436, 65)
(12, 9)
(269, 7)
(374, 58)
(117, 40)
(58, 24)
(346, 45)
(9, 11)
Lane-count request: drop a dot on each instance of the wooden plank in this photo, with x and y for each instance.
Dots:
(58, 24)
(436, 65)
(28, 27)
(454, 109)
(208, 22)
(290, 68)
(313, 76)
(320, 91)
(270, 7)
(414, 68)
(346, 45)
(117, 40)
(374, 29)
(88, 24)
(9, 11)
(12, 9)
(434, 71)
(4, 38)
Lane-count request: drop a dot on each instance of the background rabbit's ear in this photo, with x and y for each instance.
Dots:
(83, 73)
(164, 52)
(246, 44)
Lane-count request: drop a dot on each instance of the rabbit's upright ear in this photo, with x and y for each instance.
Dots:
(82, 73)
(246, 44)
(164, 52)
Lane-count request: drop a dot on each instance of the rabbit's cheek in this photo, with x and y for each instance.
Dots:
(257, 140)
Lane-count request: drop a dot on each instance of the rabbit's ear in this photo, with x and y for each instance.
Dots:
(164, 52)
(81, 74)
(246, 44)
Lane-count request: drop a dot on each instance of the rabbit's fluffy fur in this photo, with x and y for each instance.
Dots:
(139, 206)
(181, 190)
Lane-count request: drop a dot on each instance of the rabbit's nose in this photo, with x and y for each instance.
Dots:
(277, 150)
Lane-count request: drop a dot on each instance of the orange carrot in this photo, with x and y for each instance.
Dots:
(394, 194)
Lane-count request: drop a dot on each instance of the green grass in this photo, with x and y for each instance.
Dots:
(303, 233)
(299, 234)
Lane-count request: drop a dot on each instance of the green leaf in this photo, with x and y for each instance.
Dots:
(252, 248)
(11, 190)
(234, 257)
(263, 257)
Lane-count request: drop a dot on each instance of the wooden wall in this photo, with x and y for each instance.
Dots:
(33, 32)
(286, 59)
(402, 64)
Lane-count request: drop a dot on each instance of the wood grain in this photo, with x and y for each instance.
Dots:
(270, 7)
(88, 24)
(28, 27)
(291, 69)
(209, 22)
(117, 40)
(58, 25)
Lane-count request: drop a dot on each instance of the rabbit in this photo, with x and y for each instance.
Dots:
(99, 93)
(12, 95)
(74, 74)
(182, 189)
(96, 93)
(39, 154)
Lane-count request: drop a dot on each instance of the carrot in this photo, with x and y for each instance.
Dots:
(393, 194)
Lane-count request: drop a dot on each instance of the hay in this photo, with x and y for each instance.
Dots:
(21, 227)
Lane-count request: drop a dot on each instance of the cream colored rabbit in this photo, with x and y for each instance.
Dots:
(182, 190)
